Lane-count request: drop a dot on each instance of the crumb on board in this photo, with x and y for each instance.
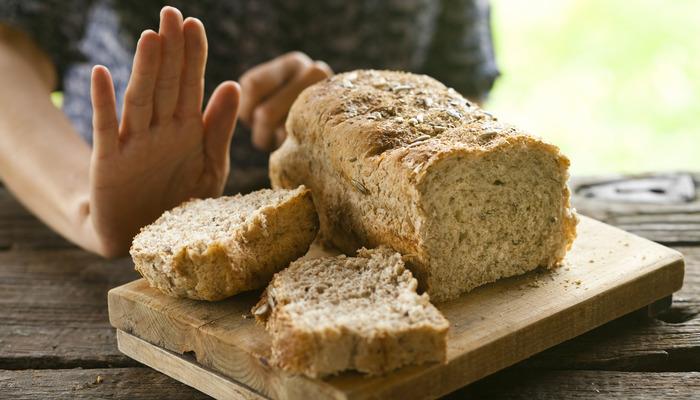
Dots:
(99, 379)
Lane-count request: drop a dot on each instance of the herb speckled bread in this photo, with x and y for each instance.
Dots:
(332, 314)
(214, 248)
(398, 159)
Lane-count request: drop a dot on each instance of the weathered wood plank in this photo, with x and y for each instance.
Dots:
(107, 383)
(673, 218)
(518, 384)
(53, 308)
(144, 383)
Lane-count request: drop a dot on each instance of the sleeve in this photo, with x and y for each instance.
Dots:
(461, 53)
(55, 25)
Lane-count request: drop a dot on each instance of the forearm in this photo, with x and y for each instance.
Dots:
(42, 160)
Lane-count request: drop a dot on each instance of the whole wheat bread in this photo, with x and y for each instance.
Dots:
(398, 159)
(213, 248)
(362, 313)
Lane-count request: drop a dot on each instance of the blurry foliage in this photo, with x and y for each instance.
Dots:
(614, 83)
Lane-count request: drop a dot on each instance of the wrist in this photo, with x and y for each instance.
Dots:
(96, 236)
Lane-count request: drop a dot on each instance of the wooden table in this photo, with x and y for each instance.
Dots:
(56, 341)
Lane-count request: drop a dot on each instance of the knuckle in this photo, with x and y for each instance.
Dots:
(169, 82)
(319, 70)
(138, 100)
(105, 126)
(249, 81)
(263, 114)
(298, 58)
(174, 50)
(261, 140)
(194, 82)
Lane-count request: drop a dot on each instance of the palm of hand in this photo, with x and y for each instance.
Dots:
(166, 150)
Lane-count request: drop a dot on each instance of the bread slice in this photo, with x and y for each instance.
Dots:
(332, 314)
(214, 248)
(399, 159)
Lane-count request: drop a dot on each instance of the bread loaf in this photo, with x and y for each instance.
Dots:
(362, 313)
(214, 248)
(398, 159)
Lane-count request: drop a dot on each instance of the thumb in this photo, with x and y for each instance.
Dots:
(219, 121)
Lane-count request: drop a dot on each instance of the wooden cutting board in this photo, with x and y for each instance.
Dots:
(218, 349)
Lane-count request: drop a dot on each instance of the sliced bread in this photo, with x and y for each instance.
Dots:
(398, 159)
(361, 313)
(214, 248)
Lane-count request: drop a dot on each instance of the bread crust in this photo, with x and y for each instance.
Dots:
(367, 141)
(268, 241)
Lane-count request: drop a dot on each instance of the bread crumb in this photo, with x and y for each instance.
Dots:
(99, 379)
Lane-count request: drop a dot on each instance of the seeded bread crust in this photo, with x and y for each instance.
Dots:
(398, 159)
(359, 313)
(214, 248)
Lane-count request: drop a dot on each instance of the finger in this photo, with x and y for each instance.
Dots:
(138, 99)
(105, 128)
(261, 81)
(192, 85)
(172, 53)
(271, 114)
(219, 120)
(280, 136)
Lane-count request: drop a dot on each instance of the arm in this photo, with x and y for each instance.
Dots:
(43, 161)
(164, 150)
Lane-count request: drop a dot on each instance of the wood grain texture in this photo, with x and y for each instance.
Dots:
(670, 342)
(607, 274)
(555, 385)
(184, 369)
(53, 309)
(670, 222)
(510, 384)
(104, 383)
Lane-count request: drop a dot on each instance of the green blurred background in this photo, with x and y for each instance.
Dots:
(614, 83)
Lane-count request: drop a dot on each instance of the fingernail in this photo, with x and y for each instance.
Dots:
(175, 10)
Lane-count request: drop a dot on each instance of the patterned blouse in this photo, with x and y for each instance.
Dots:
(447, 39)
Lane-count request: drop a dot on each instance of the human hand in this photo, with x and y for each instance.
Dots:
(268, 91)
(165, 150)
